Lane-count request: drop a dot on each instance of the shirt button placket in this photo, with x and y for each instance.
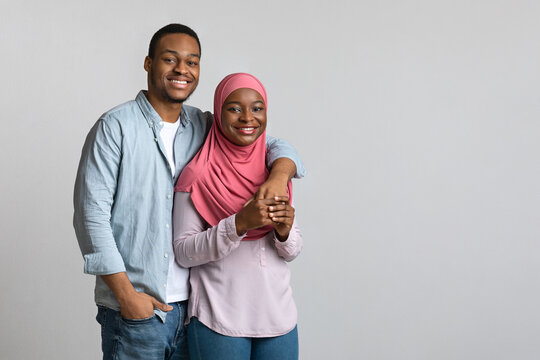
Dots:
(263, 255)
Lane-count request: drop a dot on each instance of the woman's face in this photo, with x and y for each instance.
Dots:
(243, 116)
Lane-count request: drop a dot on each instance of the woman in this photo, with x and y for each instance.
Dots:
(240, 304)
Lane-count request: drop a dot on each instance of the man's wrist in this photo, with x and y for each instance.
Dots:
(280, 176)
(283, 168)
(120, 285)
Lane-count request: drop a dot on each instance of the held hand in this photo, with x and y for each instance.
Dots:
(282, 216)
(283, 169)
(141, 306)
(273, 186)
(254, 214)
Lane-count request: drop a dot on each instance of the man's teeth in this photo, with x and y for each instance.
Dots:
(183, 82)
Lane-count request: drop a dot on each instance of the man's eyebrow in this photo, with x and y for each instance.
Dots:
(177, 53)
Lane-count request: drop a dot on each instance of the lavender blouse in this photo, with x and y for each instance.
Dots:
(237, 288)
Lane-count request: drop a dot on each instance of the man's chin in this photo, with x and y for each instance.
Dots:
(177, 100)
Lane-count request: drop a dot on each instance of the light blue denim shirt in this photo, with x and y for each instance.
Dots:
(124, 193)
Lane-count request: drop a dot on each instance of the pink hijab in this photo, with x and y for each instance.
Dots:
(223, 176)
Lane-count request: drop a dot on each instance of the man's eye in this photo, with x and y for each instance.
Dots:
(192, 63)
(169, 60)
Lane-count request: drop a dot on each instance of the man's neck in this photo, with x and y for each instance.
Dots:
(168, 111)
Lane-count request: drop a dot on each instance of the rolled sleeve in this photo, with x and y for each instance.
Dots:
(103, 263)
(278, 148)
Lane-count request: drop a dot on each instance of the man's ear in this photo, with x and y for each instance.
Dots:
(147, 63)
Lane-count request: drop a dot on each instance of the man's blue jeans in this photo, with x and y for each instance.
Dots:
(205, 344)
(148, 339)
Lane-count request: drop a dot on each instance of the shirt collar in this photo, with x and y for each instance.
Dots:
(152, 117)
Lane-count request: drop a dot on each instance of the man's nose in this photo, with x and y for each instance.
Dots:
(181, 68)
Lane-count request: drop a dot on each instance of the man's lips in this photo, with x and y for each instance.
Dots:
(179, 83)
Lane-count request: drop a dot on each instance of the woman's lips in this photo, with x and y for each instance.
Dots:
(246, 130)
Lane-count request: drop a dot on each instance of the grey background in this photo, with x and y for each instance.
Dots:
(418, 122)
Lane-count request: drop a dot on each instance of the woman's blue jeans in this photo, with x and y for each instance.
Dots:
(206, 344)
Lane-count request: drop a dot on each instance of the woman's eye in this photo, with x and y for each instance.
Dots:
(234, 109)
(257, 108)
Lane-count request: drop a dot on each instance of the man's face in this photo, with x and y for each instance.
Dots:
(173, 72)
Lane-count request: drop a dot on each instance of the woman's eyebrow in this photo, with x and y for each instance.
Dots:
(238, 102)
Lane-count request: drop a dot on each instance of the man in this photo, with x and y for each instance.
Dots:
(124, 196)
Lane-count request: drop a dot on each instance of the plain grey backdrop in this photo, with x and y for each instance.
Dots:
(418, 121)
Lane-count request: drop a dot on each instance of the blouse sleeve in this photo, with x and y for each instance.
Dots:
(194, 241)
(290, 248)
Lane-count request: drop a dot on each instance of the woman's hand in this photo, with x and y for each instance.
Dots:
(282, 215)
(255, 212)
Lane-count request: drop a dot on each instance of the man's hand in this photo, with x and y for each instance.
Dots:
(141, 306)
(271, 188)
(282, 171)
(133, 304)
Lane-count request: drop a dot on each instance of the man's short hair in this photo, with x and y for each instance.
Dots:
(171, 29)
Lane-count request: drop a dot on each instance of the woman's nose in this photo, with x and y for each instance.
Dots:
(247, 116)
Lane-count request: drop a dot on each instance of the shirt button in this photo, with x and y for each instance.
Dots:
(169, 196)
(167, 226)
(164, 285)
(155, 139)
(166, 255)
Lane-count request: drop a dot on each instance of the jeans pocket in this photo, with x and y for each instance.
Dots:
(101, 316)
(138, 321)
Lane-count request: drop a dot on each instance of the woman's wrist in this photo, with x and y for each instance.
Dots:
(240, 226)
(281, 237)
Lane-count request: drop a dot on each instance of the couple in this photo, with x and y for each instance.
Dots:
(232, 222)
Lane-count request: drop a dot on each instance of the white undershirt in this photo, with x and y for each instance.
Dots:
(178, 278)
